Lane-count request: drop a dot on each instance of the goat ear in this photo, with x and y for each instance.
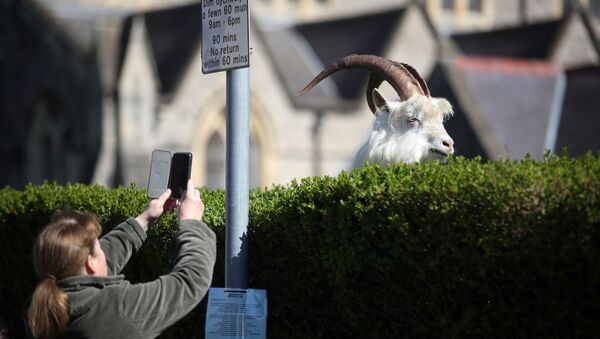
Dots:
(380, 101)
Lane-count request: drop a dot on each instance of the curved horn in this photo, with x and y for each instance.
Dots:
(416, 75)
(374, 82)
(396, 74)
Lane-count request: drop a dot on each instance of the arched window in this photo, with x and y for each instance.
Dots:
(215, 162)
(45, 150)
(594, 8)
(475, 6)
(210, 149)
(254, 179)
(448, 5)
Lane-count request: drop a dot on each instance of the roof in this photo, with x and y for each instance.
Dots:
(75, 33)
(519, 99)
(472, 137)
(531, 41)
(368, 34)
(46, 73)
(579, 129)
(175, 34)
(301, 51)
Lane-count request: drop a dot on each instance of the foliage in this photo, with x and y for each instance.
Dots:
(463, 249)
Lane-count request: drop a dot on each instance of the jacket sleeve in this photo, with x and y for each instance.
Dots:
(120, 244)
(154, 306)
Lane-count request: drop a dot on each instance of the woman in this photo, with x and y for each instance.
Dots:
(82, 295)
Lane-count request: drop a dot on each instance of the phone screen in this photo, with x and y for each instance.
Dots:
(181, 167)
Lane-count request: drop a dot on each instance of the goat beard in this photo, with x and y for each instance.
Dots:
(436, 154)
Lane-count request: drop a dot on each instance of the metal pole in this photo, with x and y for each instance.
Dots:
(317, 143)
(238, 141)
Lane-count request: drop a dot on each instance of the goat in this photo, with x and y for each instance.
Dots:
(407, 130)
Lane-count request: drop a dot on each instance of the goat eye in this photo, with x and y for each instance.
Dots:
(413, 120)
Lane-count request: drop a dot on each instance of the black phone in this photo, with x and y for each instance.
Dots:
(181, 170)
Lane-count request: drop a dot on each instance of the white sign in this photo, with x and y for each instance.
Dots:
(224, 35)
(236, 314)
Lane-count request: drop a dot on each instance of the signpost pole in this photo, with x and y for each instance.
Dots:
(225, 47)
(236, 242)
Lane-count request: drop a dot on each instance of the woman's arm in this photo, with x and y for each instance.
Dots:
(127, 238)
(120, 243)
(152, 307)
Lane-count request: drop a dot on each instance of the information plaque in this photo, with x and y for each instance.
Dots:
(236, 314)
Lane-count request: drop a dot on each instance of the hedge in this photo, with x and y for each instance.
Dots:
(462, 249)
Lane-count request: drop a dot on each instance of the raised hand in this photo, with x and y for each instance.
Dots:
(191, 206)
(155, 209)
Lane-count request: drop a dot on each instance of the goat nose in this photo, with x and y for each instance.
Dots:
(448, 144)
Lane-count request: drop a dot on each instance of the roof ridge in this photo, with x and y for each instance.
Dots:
(512, 66)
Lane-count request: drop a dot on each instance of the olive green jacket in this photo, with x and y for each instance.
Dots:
(111, 307)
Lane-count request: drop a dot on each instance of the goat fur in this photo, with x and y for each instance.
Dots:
(396, 137)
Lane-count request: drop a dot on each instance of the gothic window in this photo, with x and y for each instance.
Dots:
(45, 148)
(215, 162)
(594, 7)
(475, 5)
(448, 5)
(255, 163)
(566, 5)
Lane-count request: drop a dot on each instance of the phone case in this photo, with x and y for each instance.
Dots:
(160, 168)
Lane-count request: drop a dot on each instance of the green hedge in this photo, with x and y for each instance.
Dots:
(463, 249)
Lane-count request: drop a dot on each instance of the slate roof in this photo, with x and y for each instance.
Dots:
(43, 66)
(508, 107)
(517, 97)
(175, 35)
(531, 41)
(122, 45)
(464, 132)
(331, 40)
(75, 33)
(579, 129)
(299, 52)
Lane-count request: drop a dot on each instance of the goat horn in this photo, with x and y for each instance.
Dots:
(396, 74)
(374, 82)
(417, 77)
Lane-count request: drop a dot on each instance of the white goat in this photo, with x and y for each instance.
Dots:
(407, 130)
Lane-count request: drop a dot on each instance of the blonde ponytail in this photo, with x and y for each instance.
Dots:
(60, 251)
(48, 313)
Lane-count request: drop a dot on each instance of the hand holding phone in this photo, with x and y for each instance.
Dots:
(191, 206)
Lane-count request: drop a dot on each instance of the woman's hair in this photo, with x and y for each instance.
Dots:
(60, 250)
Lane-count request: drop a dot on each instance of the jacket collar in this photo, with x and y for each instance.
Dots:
(79, 282)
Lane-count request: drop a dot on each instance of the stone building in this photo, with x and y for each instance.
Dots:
(154, 94)
(50, 98)
(166, 102)
(511, 87)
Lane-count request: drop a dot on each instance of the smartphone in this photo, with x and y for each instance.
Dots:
(181, 170)
(160, 167)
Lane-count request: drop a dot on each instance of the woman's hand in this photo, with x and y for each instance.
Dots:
(191, 206)
(155, 209)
